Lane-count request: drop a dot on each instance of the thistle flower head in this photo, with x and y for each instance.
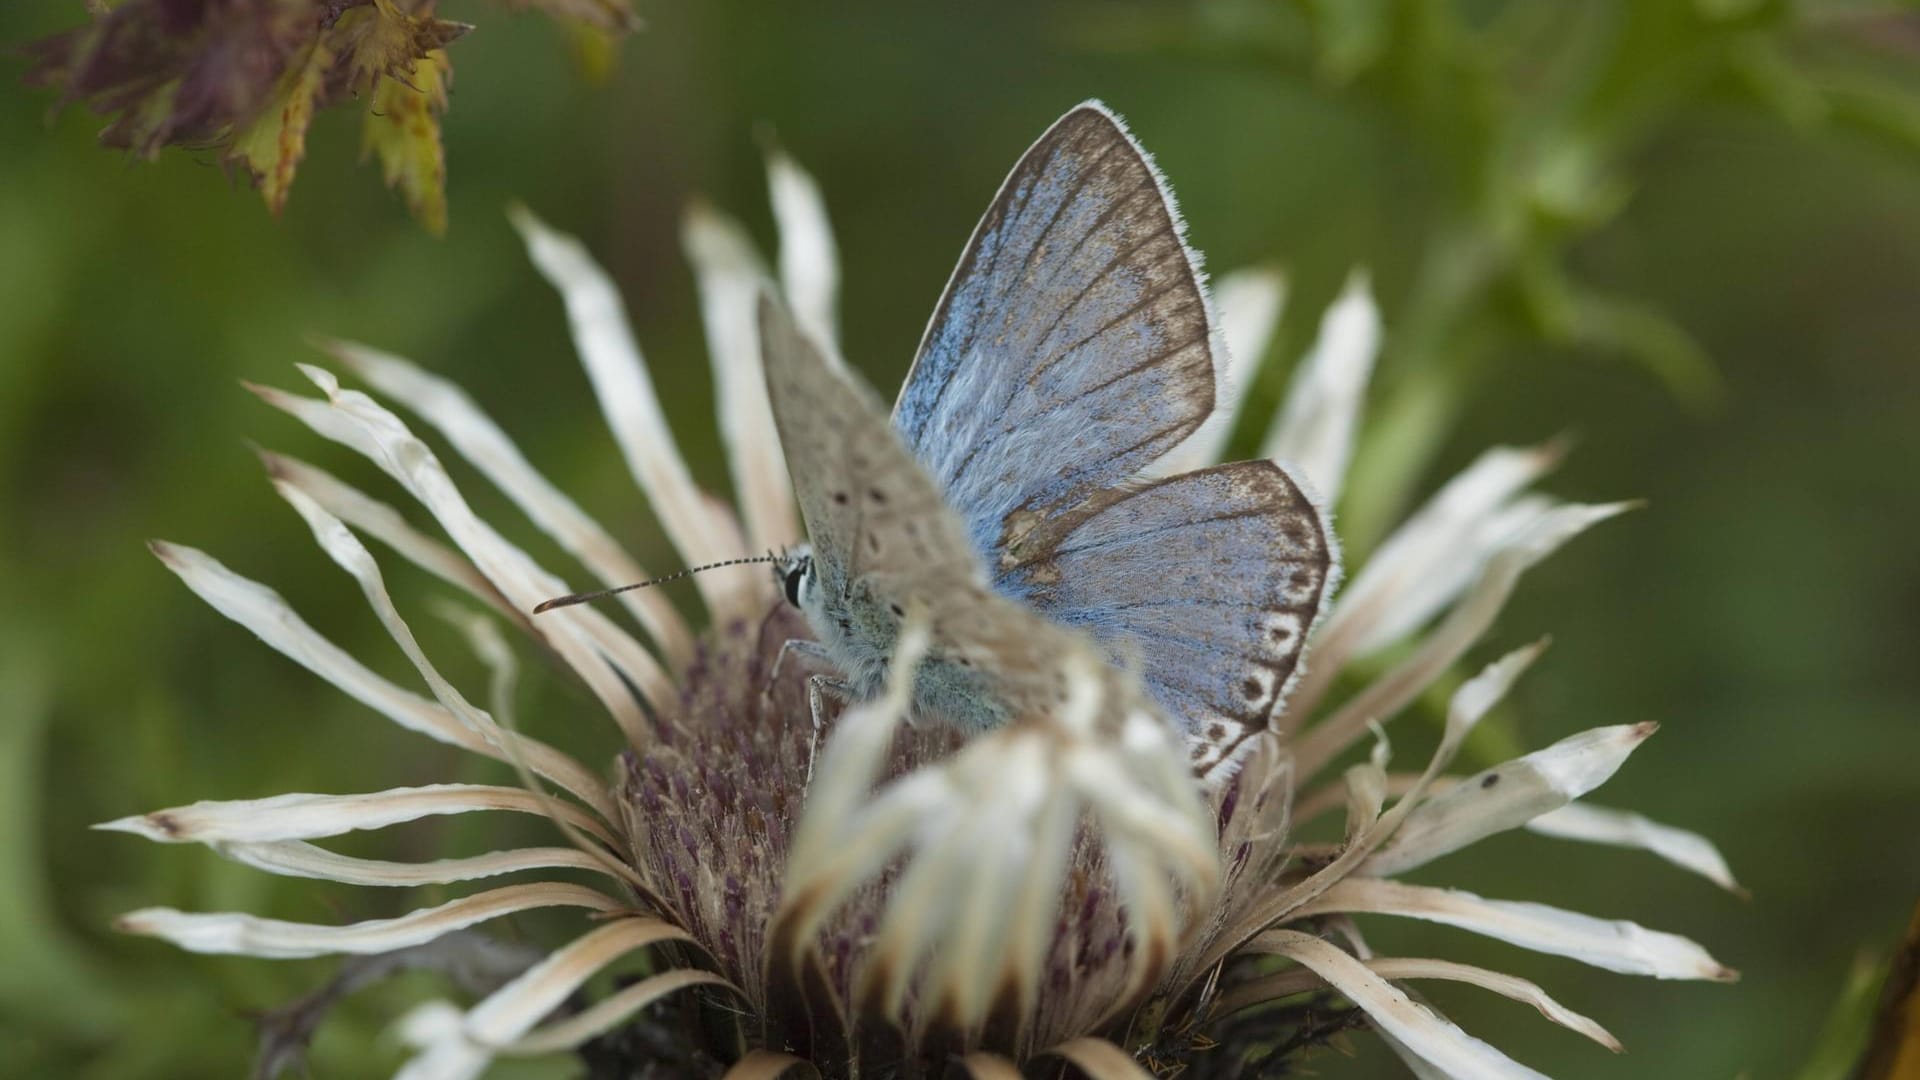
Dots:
(876, 899)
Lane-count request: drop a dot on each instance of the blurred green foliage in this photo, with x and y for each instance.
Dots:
(1837, 1053)
(1726, 193)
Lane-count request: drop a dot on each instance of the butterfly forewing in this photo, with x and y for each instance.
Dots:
(885, 542)
(869, 508)
(1072, 346)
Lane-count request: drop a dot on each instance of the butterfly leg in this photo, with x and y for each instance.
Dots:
(818, 687)
(813, 650)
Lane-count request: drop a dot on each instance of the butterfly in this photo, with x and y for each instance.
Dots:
(1005, 496)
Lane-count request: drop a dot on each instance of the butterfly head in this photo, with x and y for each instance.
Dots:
(794, 572)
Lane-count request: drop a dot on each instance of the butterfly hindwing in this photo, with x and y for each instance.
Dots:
(1073, 345)
(1205, 583)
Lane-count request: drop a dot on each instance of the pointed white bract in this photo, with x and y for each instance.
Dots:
(264, 612)
(1304, 980)
(610, 1012)
(1505, 985)
(1445, 643)
(351, 555)
(484, 445)
(1427, 562)
(461, 1051)
(1450, 1051)
(809, 258)
(1506, 797)
(1613, 944)
(385, 524)
(963, 861)
(1621, 828)
(1367, 826)
(700, 529)
(731, 281)
(1250, 303)
(312, 817)
(605, 657)
(1315, 430)
(347, 551)
(296, 858)
(250, 935)
(503, 670)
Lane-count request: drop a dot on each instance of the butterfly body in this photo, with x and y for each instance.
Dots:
(857, 626)
(1004, 498)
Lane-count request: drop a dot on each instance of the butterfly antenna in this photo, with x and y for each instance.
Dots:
(602, 594)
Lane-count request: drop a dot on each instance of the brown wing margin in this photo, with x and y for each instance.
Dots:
(1207, 583)
(1073, 345)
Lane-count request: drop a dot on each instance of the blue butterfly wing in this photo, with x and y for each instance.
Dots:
(1204, 583)
(1072, 346)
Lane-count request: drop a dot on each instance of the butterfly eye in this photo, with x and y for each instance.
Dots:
(794, 578)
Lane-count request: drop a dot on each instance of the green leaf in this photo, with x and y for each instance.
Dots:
(1893, 1044)
(46, 979)
(1844, 1035)
(1644, 334)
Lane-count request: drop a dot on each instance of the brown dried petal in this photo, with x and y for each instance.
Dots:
(177, 71)
(381, 40)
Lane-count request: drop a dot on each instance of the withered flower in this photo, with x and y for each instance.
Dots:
(244, 78)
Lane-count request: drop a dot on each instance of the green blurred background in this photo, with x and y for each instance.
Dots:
(1687, 232)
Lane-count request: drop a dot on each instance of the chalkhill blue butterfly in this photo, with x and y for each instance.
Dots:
(1073, 347)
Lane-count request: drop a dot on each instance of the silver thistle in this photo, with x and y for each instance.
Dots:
(909, 900)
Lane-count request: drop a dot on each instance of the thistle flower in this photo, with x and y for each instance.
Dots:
(904, 901)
